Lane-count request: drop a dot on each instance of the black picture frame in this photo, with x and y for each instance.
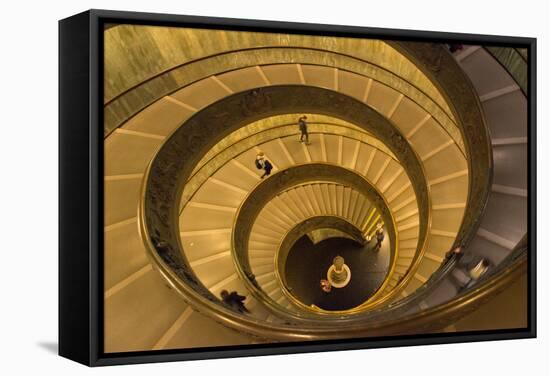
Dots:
(81, 196)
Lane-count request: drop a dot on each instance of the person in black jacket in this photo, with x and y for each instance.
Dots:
(303, 129)
(234, 300)
(263, 164)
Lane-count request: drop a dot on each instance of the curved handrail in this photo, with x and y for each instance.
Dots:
(442, 69)
(200, 175)
(299, 230)
(307, 225)
(315, 125)
(396, 141)
(403, 306)
(288, 331)
(417, 95)
(314, 129)
(462, 241)
(450, 263)
(174, 161)
(453, 83)
(514, 62)
(427, 59)
(465, 238)
(286, 179)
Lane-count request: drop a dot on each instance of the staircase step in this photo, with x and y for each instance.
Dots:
(146, 298)
(201, 331)
(261, 261)
(218, 192)
(262, 246)
(486, 74)
(126, 253)
(261, 226)
(239, 175)
(263, 269)
(510, 165)
(194, 218)
(268, 239)
(507, 115)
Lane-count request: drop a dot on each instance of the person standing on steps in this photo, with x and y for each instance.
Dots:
(234, 300)
(303, 129)
(379, 236)
(325, 285)
(477, 271)
(457, 251)
(263, 164)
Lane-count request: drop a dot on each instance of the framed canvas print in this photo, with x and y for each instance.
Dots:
(240, 187)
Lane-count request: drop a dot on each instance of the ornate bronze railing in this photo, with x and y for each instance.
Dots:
(174, 163)
(170, 172)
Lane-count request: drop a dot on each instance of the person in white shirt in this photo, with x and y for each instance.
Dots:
(263, 164)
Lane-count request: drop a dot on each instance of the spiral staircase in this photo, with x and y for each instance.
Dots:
(428, 144)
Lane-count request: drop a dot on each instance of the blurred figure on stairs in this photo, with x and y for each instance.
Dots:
(379, 237)
(303, 129)
(326, 286)
(467, 274)
(478, 270)
(456, 251)
(263, 164)
(455, 47)
(234, 300)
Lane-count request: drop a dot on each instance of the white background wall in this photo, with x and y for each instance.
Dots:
(28, 210)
